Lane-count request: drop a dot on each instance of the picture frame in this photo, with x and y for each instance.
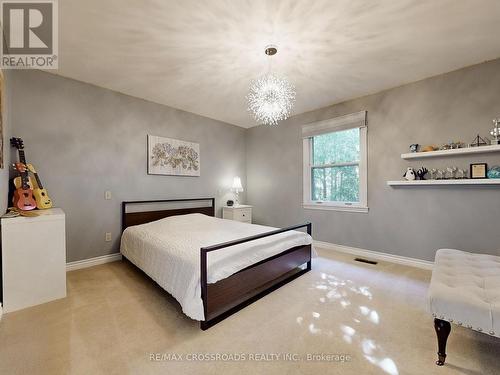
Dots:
(173, 157)
(478, 170)
(2, 100)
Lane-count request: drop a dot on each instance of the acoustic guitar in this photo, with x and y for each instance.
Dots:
(23, 195)
(17, 180)
(42, 198)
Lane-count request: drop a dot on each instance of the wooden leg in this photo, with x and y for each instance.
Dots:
(443, 329)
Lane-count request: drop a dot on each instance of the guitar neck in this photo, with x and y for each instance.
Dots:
(22, 157)
(38, 182)
(24, 175)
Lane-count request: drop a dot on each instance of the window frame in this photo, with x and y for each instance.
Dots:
(362, 205)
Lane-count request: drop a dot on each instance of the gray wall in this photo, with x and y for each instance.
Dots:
(411, 222)
(84, 140)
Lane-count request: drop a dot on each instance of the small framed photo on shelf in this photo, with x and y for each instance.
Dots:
(478, 170)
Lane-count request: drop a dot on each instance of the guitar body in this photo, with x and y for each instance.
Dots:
(18, 182)
(23, 199)
(42, 199)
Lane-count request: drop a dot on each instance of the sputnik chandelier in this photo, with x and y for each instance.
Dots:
(271, 97)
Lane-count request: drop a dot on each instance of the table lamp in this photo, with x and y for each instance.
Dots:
(237, 188)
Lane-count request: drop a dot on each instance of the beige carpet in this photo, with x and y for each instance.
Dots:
(369, 319)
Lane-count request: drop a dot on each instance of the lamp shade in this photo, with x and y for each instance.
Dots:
(237, 184)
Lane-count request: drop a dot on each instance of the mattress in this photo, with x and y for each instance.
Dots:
(168, 251)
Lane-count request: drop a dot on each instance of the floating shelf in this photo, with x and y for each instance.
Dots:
(482, 181)
(454, 152)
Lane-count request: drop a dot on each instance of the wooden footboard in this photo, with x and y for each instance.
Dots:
(233, 293)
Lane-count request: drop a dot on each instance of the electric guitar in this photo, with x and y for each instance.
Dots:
(23, 195)
(42, 198)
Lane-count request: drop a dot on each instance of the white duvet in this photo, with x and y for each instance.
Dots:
(168, 251)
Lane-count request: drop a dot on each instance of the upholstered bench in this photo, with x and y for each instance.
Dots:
(464, 290)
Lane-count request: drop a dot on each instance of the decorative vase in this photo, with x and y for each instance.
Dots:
(494, 172)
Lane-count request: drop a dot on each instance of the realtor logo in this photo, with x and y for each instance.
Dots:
(29, 34)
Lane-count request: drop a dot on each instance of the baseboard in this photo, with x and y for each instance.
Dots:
(407, 261)
(71, 266)
(412, 262)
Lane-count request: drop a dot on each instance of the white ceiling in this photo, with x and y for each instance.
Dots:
(200, 56)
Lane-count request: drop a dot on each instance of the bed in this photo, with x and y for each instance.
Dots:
(212, 267)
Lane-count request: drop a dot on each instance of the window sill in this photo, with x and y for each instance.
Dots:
(327, 207)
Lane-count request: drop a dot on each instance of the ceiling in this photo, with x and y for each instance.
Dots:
(200, 56)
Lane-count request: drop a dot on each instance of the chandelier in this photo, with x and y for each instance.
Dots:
(270, 98)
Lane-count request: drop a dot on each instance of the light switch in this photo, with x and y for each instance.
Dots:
(107, 195)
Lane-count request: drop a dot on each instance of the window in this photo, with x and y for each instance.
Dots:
(335, 164)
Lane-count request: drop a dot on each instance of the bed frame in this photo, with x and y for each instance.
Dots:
(229, 295)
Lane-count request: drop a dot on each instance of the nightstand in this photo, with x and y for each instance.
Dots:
(242, 213)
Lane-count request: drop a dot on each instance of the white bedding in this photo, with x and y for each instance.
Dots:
(168, 251)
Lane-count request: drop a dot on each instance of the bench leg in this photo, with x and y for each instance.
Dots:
(443, 329)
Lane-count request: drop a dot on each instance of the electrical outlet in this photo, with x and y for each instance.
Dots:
(108, 236)
(107, 195)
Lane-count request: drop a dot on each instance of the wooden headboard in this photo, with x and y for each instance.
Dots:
(142, 217)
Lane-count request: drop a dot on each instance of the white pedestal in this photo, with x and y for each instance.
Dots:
(33, 259)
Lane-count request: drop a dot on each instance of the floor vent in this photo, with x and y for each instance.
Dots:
(362, 260)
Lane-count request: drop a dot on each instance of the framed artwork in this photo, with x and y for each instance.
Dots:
(2, 99)
(173, 157)
(478, 170)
